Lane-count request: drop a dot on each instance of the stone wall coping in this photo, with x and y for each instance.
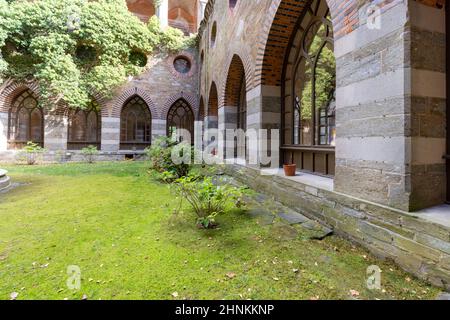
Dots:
(314, 185)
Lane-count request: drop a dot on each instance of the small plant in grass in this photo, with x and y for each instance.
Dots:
(162, 163)
(90, 153)
(208, 199)
(31, 153)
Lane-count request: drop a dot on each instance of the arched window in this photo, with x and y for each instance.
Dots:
(84, 128)
(135, 125)
(180, 116)
(26, 121)
(232, 4)
(309, 85)
(213, 34)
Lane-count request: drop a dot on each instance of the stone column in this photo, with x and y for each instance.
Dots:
(55, 131)
(211, 128)
(227, 124)
(427, 121)
(163, 13)
(390, 108)
(198, 135)
(263, 120)
(110, 134)
(3, 131)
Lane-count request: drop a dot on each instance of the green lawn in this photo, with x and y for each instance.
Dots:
(117, 225)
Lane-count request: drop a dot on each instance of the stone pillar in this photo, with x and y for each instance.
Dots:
(390, 108)
(211, 127)
(3, 131)
(263, 116)
(227, 121)
(198, 135)
(159, 128)
(163, 13)
(55, 131)
(427, 120)
(110, 134)
(371, 111)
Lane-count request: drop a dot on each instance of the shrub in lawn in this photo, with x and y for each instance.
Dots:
(208, 199)
(170, 160)
(90, 153)
(31, 153)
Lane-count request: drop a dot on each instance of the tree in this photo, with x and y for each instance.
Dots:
(73, 48)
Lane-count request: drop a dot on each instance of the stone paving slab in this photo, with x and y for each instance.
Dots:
(286, 223)
(444, 296)
(293, 217)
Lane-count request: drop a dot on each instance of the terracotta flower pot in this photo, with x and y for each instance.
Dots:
(289, 170)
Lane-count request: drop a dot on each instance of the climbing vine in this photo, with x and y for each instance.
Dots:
(75, 48)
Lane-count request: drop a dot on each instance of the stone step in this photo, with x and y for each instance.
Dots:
(4, 180)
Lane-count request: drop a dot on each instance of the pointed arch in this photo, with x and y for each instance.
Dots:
(213, 101)
(84, 127)
(190, 99)
(8, 94)
(283, 18)
(120, 101)
(235, 79)
(25, 120)
(181, 117)
(135, 124)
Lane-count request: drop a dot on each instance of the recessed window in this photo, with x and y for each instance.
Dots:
(232, 4)
(213, 34)
(182, 65)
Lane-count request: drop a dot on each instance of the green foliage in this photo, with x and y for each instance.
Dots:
(208, 199)
(173, 39)
(89, 153)
(30, 153)
(161, 157)
(325, 78)
(76, 47)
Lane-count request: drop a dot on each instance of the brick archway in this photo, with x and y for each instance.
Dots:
(235, 76)
(237, 57)
(213, 101)
(279, 25)
(190, 99)
(125, 96)
(8, 95)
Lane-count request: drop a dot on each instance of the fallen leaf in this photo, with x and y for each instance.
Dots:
(14, 295)
(408, 279)
(175, 294)
(276, 279)
(295, 270)
(354, 293)
(314, 298)
(231, 275)
(84, 297)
